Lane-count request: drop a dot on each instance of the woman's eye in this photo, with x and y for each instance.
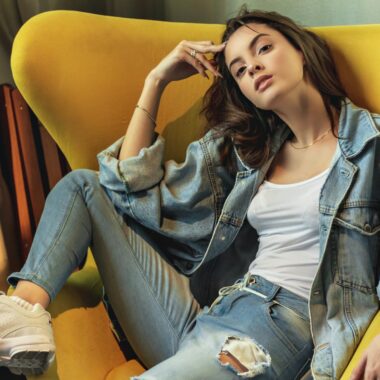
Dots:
(240, 71)
(264, 48)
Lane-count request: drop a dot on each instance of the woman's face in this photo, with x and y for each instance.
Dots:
(266, 67)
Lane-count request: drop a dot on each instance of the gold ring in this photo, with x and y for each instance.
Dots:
(193, 53)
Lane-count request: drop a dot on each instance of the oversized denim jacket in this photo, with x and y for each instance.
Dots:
(199, 211)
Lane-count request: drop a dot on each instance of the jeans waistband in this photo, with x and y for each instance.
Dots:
(268, 291)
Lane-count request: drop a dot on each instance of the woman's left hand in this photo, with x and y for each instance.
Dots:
(369, 365)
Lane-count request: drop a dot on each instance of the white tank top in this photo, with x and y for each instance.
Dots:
(286, 218)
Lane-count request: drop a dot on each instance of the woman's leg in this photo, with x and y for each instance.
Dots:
(245, 335)
(151, 299)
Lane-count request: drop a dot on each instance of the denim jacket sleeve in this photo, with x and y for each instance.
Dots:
(135, 173)
(179, 200)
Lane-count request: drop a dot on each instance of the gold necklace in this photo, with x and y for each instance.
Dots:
(321, 137)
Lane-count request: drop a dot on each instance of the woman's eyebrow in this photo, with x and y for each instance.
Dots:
(251, 45)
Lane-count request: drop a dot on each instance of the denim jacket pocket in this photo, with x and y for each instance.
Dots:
(357, 229)
(322, 363)
(360, 216)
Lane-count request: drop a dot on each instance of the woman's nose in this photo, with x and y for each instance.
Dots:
(254, 68)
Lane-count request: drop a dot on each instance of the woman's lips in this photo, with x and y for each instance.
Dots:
(263, 82)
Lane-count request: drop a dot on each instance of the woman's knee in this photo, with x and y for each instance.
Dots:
(77, 179)
(75, 182)
(82, 177)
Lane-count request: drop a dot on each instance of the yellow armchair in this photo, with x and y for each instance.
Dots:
(82, 75)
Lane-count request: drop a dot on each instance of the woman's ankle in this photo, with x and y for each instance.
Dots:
(32, 293)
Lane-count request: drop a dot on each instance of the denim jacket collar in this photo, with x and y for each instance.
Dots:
(352, 140)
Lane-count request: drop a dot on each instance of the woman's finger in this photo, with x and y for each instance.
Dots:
(202, 42)
(196, 64)
(207, 64)
(200, 52)
(358, 372)
(199, 57)
(205, 48)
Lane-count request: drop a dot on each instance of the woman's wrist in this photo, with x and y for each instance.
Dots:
(154, 79)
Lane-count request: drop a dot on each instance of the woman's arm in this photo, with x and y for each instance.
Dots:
(188, 58)
(166, 197)
(140, 130)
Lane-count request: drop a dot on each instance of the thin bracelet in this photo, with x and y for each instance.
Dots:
(148, 114)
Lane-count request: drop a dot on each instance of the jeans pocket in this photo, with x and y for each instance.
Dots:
(294, 311)
(290, 328)
(226, 303)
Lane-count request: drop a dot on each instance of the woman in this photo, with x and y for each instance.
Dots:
(282, 186)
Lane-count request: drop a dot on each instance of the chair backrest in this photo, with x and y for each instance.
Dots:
(82, 74)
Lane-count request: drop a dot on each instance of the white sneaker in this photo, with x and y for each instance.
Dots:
(26, 337)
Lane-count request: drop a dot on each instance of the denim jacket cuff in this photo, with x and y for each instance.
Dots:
(134, 173)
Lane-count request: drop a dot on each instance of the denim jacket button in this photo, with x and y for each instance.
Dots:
(367, 227)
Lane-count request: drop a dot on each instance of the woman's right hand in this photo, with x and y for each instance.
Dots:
(186, 59)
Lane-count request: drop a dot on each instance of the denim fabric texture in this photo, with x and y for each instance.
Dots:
(192, 216)
(152, 301)
(161, 318)
(200, 192)
(266, 315)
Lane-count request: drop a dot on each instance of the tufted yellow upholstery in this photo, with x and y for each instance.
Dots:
(82, 74)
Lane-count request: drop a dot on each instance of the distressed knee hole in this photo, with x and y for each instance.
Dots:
(244, 356)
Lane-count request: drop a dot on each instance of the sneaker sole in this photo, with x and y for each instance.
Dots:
(29, 363)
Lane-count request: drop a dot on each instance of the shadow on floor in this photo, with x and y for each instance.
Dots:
(6, 375)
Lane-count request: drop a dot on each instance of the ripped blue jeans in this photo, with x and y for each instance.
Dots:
(255, 328)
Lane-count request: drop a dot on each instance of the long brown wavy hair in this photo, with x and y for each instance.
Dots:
(243, 124)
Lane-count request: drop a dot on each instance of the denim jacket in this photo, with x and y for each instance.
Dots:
(199, 210)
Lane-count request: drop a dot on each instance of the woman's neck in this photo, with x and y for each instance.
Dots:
(306, 116)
